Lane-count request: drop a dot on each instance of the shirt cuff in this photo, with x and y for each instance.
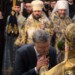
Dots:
(36, 70)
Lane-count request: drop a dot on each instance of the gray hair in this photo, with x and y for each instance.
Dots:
(40, 36)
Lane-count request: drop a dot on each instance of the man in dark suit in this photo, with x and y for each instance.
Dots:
(31, 58)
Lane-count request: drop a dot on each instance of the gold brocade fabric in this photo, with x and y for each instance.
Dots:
(31, 26)
(70, 64)
(65, 67)
(59, 25)
(12, 30)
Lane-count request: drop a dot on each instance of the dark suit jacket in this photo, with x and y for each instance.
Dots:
(26, 60)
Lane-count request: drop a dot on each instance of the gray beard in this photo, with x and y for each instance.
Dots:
(62, 17)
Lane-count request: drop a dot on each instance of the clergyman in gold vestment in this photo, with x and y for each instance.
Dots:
(67, 67)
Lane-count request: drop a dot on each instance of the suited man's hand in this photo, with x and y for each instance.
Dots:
(42, 61)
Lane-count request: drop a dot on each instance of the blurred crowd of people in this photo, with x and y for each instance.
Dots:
(23, 18)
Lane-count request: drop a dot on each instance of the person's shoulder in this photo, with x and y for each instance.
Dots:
(52, 49)
(29, 20)
(68, 19)
(54, 16)
(30, 17)
(24, 48)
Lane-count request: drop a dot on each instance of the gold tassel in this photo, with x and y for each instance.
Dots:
(14, 4)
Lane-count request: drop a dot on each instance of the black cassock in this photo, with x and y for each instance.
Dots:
(2, 41)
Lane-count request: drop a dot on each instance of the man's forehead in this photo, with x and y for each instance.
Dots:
(62, 9)
(37, 11)
(28, 4)
(43, 43)
(17, 6)
(53, 2)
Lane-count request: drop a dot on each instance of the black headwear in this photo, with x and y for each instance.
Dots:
(18, 3)
(27, 1)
